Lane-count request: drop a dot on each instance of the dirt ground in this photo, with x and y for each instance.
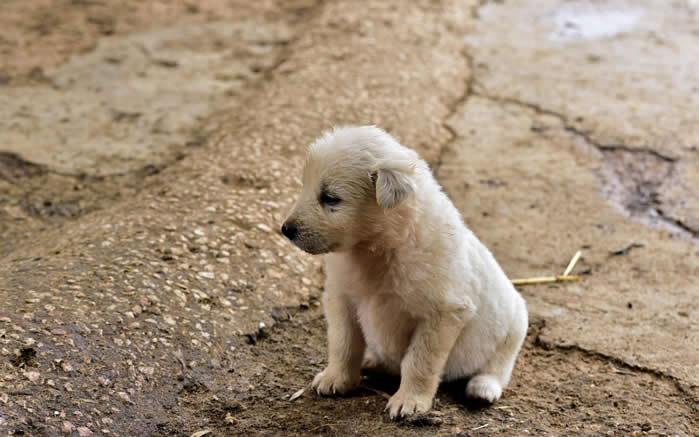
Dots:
(150, 149)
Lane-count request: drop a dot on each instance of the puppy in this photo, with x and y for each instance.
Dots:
(409, 288)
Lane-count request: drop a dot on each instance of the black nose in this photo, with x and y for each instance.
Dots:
(289, 230)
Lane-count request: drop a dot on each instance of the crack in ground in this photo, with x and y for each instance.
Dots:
(620, 147)
(585, 135)
(677, 222)
(538, 326)
(634, 176)
(630, 185)
(456, 104)
(453, 108)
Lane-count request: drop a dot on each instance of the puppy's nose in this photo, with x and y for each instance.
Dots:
(289, 230)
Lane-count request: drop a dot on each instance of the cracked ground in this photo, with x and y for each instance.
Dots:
(150, 149)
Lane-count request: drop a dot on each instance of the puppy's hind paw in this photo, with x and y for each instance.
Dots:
(485, 388)
(333, 381)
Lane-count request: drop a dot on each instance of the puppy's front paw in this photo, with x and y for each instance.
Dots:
(403, 403)
(484, 387)
(334, 381)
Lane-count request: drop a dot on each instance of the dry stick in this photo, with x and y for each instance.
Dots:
(383, 394)
(566, 276)
(571, 264)
(298, 394)
(544, 280)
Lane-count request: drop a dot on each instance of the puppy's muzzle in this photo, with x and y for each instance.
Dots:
(290, 230)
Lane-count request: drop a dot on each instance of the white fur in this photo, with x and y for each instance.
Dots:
(408, 286)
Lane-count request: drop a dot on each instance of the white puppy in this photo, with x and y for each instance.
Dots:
(408, 287)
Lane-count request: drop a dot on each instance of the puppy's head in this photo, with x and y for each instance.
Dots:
(354, 177)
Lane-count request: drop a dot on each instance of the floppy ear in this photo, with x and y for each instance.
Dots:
(392, 187)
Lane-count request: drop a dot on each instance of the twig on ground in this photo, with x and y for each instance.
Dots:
(571, 264)
(544, 280)
(566, 276)
(383, 394)
(297, 394)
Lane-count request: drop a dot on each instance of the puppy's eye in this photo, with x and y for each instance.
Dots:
(329, 199)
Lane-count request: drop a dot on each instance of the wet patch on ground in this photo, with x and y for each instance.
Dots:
(635, 180)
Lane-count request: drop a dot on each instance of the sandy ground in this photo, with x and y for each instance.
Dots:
(150, 149)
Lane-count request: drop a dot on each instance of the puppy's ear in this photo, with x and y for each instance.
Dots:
(393, 185)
